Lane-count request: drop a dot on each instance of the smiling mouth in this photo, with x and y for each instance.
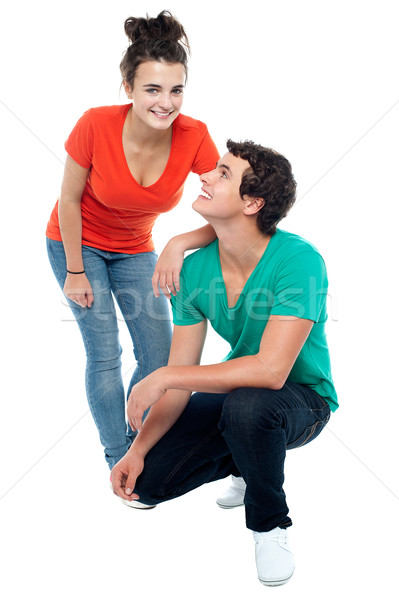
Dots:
(161, 115)
(205, 195)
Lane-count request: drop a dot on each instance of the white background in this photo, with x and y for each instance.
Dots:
(318, 82)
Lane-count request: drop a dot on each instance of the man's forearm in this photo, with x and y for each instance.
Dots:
(162, 416)
(246, 371)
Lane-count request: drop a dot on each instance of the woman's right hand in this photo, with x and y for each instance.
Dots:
(78, 289)
(167, 269)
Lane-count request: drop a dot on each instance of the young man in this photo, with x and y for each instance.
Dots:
(263, 290)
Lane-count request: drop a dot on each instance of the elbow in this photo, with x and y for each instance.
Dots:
(277, 383)
(275, 378)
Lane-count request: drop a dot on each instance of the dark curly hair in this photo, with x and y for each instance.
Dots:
(161, 39)
(269, 177)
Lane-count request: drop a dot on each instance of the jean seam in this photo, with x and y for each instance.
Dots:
(53, 261)
(313, 428)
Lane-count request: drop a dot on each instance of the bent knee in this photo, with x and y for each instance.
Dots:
(245, 408)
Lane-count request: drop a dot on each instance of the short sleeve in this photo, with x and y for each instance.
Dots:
(79, 144)
(206, 157)
(301, 287)
(184, 309)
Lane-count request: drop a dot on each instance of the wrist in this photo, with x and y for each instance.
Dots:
(75, 272)
(135, 449)
(178, 242)
(161, 375)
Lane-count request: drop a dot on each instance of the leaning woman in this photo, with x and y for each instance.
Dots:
(125, 165)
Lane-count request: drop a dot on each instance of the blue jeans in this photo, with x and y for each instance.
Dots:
(245, 432)
(127, 279)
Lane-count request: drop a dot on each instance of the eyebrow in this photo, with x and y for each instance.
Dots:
(222, 166)
(155, 85)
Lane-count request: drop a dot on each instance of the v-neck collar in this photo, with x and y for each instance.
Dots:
(242, 293)
(172, 147)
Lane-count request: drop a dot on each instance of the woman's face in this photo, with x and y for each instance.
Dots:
(157, 93)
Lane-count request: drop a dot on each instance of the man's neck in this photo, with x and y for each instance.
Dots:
(241, 248)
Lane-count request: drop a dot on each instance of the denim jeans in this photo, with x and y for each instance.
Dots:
(127, 279)
(245, 432)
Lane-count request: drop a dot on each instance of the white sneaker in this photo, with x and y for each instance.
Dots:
(133, 503)
(234, 495)
(136, 504)
(274, 560)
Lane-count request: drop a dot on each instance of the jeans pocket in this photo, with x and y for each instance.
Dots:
(310, 433)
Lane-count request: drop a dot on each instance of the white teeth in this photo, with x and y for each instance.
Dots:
(162, 114)
(206, 195)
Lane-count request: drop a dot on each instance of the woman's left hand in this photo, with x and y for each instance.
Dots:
(167, 269)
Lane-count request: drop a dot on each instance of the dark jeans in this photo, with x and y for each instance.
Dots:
(245, 432)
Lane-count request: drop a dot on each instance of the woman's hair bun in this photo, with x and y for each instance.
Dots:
(160, 39)
(164, 27)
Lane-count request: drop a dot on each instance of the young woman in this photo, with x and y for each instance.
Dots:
(125, 165)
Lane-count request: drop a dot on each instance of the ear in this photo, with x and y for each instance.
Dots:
(128, 89)
(252, 205)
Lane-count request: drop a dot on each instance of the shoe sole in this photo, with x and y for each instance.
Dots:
(227, 506)
(275, 583)
(138, 506)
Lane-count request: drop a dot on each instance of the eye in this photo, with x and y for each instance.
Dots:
(152, 90)
(224, 174)
(177, 91)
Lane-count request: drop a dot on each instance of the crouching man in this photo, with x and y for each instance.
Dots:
(263, 290)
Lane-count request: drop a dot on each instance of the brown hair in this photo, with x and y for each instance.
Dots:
(269, 177)
(161, 39)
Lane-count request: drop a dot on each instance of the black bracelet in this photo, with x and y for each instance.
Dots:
(75, 272)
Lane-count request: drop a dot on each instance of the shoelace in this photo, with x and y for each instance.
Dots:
(269, 536)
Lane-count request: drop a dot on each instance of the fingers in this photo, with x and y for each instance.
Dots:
(123, 483)
(90, 298)
(136, 418)
(163, 285)
(176, 281)
(154, 281)
(134, 414)
(79, 299)
(78, 289)
(83, 300)
(129, 487)
(168, 282)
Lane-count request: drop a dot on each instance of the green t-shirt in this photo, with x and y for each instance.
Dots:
(289, 279)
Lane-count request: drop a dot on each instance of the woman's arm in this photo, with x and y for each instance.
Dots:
(76, 287)
(168, 267)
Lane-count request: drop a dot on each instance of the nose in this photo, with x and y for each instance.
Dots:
(207, 177)
(165, 101)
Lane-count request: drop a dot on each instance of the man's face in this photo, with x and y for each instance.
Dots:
(220, 194)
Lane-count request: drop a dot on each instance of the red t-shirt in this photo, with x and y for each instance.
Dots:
(118, 213)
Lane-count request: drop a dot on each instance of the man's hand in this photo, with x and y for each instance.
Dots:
(125, 473)
(143, 395)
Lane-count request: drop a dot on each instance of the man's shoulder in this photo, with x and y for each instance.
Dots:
(297, 258)
(291, 242)
(292, 251)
